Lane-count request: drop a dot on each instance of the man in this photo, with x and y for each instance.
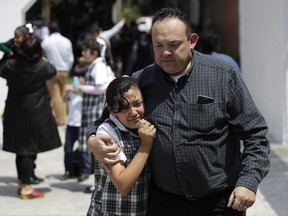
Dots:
(59, 53)
(201, 109)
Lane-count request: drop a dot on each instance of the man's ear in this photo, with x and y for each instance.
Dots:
(193, 40)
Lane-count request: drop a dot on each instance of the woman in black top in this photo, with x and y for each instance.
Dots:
(28, 127)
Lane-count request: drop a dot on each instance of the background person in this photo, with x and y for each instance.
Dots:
(10, 48)
(142, 51)
(209, 43)
(201, 109)
(29, 126)
(59, 53)
(74, 119)
(97, 78)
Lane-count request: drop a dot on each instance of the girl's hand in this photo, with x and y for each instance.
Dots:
(146, 131)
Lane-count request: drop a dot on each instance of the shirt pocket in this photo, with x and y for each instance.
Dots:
(202, 118)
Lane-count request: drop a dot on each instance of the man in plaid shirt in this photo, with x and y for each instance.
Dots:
(202, 110)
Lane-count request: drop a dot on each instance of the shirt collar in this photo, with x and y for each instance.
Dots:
(186, 74)
(119, 125)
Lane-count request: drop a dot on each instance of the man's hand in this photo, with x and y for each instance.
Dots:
(241, 198)
(103, 147)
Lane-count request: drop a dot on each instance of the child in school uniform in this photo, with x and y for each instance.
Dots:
(123, 190)
(75, 100)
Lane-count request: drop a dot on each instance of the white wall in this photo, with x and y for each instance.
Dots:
(12, 15)
(264, 60)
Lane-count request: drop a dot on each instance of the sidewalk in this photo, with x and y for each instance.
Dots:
(62, 198)
(273, 190)
(66, 198)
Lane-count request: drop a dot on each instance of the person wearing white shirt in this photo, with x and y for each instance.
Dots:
(59, 52)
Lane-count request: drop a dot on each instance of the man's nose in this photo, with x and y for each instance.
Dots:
(166, 52)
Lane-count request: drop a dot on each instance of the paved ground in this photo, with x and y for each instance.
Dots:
(66, 198)
(62, 198)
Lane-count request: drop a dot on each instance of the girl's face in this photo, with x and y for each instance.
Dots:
(135, 111)
(89, 56)
(18, 37)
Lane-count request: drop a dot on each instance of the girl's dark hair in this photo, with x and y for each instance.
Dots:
(93, 45)
(114, 93)
(30, 49)
(167, 13)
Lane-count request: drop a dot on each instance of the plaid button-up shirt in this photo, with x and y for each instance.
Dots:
(200, 120)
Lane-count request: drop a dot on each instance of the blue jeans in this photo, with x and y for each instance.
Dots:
(72, 134)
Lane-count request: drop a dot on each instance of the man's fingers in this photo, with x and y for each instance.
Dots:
(110, 148)
(109, 161)
(231, 200)
(112, 151)
(98, 145)
(241, 198)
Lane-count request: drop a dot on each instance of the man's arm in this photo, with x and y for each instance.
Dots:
(248, 123)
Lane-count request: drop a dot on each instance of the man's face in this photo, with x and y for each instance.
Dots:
(172, 47)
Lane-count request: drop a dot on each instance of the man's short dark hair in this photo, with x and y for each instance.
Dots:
(166, 13)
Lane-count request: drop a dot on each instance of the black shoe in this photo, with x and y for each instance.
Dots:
(83, 177)
(36, 180)
(89, 189)
(66, 176)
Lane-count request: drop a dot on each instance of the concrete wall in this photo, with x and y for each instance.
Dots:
(12, 14)
(264, 60)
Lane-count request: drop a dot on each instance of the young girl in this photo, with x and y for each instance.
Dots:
(123, 190)
(73, 123)
(97, 78)
(9, 47)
